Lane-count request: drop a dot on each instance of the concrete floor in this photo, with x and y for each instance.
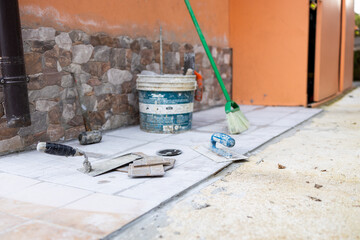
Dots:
(44, 196)
(303, 185)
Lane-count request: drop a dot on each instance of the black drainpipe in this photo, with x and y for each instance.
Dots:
(14, 79)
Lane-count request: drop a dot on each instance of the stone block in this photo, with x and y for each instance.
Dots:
(68, 112)
(44, 105)
(118, 58)
(170, 60)
(5, 132)
(94, 81)
(74, 132)
(40, 34)
(154, 67)
(39, 46)
(144, 43)
(123, 42)
(48, 92)
(33, 63)
(74, 68)
(85, 88)
(120, 104)
(135, 46)
(97, 118)
(42, 80)
(55, 132)
(82, 77)
(106, 88)
(115, 121)
(90, 102)
(117, 77)
(11, 145)
(175, 47)
(102, 53)
(96, 68)
(76, 121)
(54, 115)
(69, 94)
(128, 87)
(67, 81)
(102, 39)
(166, 47)
(227, 59)
(49, 61)
(38, 124)
(81, 53)
(104, 102)
(147, 56)
(79, 37)
(186, 48)
(33, 139)
(64, 58)
(198, 48)
(133, 99)
(63, 40)
(136, 66)
(205, 62)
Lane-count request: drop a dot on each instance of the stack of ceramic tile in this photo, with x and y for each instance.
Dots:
(149, 166)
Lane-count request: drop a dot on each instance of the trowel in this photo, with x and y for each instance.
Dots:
(94, 169)
(220, 154)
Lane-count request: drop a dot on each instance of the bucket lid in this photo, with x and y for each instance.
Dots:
(166, 83)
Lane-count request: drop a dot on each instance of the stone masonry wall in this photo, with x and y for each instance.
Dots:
(107, 69)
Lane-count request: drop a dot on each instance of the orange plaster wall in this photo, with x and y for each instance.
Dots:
(134, 18)
(270, 48)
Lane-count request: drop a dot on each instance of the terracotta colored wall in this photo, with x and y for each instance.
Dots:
(270, 45)
(327, 53)
(347, 45)
(132, 17)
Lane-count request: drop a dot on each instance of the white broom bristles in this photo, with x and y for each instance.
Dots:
(237, 122)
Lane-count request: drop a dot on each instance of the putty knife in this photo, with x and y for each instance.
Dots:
(220, 154)
(94, 169)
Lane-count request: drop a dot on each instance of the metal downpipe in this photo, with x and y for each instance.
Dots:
(14, 79)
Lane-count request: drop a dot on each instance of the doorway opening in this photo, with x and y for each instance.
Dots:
(311, 50)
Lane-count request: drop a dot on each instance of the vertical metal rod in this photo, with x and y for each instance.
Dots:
(14, 78)
(161, 53)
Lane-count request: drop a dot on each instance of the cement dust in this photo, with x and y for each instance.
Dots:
(261, 201)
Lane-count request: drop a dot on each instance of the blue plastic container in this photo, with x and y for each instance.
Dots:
(166, 102)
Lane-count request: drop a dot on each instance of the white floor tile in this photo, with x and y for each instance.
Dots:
(112, 204)
(163, 188)
(49, 194)
(10, 184)
(136, 133)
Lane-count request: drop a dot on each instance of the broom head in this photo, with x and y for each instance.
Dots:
(237, 121)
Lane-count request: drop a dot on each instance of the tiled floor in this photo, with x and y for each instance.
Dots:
(40, 191)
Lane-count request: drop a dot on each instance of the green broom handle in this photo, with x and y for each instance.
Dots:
(207, 50)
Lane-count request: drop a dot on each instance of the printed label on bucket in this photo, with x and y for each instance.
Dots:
(166, 112)
(166, 109)
(150, 97)
(165, 123)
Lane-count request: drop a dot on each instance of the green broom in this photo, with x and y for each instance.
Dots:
(237, 122)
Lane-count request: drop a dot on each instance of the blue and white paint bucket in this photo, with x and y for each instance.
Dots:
(166, 102)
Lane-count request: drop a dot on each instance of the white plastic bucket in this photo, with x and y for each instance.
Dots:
(166, 102)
